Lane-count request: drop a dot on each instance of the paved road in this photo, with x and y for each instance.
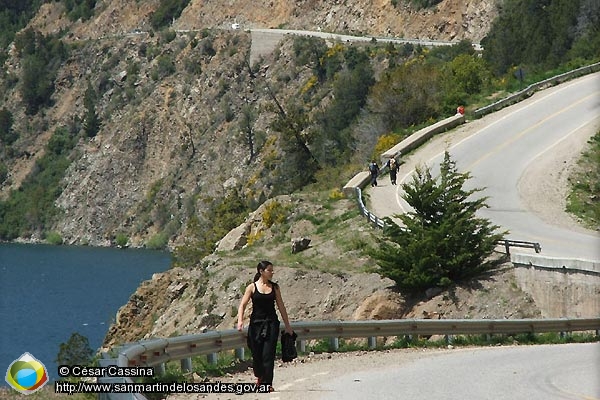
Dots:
(264, 41)
(511, 373)
(541, 372)
(500, 150)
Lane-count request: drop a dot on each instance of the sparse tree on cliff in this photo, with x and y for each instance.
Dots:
(76, 351)
(91, 120)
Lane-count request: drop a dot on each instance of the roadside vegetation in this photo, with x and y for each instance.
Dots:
(442, 241)
(584, 199)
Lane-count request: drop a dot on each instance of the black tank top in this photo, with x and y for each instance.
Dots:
(263, 305)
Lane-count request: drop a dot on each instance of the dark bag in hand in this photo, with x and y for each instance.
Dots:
(288, 346)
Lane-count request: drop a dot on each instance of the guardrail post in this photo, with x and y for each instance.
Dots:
(301, 346)
(334, 343)
(122, 360)
(372, 342)
(212, 358)
(186, 364)
(239, 353)
(160, 369)
(449, 339)
(507, 247)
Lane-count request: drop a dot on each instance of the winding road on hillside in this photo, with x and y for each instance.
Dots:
(264, 41)
(500, 149)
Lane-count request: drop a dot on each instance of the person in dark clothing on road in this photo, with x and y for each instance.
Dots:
(393, 165)
(374, 170)
(263, 330)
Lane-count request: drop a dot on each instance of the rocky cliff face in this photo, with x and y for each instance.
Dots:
(449, 20)
(167, 138)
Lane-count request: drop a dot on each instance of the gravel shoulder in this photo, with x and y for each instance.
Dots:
(544, 186)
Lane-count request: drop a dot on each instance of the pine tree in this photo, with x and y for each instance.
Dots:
(91, 119)
(443, 240)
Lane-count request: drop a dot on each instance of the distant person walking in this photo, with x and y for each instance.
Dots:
(393, 165)
(263, 330)
(374, 170)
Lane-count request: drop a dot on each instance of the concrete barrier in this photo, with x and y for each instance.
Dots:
(359, 180)
(421, 136)
(556, 262)
(415, 140)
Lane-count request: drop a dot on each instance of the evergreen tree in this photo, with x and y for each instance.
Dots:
(91, 120)
(7, 133)
(443, 240)
(76, 351)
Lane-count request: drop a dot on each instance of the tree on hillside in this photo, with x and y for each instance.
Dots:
(443, 240)
(333, 141)
(250, 136)
(407, 95)
(300, 163)
(76, 351)
(77, 9)
(7, 133)
(542, 33)
(91, 123)
(167, 11)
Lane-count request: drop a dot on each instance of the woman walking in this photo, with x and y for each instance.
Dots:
(263, 331)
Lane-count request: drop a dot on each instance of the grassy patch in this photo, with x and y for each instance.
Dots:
(584, 198)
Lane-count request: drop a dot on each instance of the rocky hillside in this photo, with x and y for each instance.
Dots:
(449, 20)
(171, 107)
(330, 280)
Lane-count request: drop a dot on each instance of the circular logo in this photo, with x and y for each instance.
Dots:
(26, 374)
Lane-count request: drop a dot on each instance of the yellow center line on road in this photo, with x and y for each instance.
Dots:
(400, 200)
(503, 145)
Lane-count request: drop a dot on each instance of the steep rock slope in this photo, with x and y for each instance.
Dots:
(170, 141)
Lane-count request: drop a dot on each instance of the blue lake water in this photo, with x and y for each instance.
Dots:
(49, 292)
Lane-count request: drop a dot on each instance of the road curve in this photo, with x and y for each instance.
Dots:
(502, 148)
(538, 372)
(544, 372)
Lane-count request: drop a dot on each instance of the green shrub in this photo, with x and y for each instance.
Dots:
(158, 241)
(121, 239)
(54, 238)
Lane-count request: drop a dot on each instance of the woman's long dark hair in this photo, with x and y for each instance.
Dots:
(261, 267)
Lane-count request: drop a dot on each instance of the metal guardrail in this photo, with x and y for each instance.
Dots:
(529, 90)
(520, 243)
(158, 351)
(374, 219)
(153, 352)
